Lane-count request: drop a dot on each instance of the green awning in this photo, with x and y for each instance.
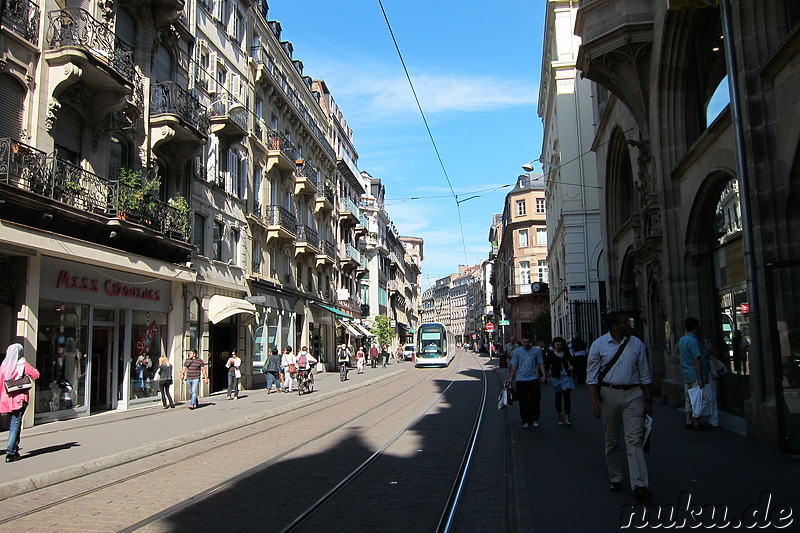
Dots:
(333, 310)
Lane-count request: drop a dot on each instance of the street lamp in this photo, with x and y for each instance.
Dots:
(528, 167)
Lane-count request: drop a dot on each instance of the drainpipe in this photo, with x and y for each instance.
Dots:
(756, 368)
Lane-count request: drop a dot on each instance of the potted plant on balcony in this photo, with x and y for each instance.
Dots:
(134, 193)
(180, 222)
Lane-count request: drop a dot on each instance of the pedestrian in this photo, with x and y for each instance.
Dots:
(579, 354)
(273, 370)
(192, 369)
(525, 373)
(559, 366)
(234, 375)
(384, 355)
(360, 358)
(373, 355)
(14, 366)
(695, 366)
(165, 381)
(289, 366)
(617, 366)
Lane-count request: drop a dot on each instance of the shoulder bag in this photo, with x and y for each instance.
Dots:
(611, 364)
(22, 383)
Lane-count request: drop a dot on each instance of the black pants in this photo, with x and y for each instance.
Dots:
(374, 361)
(163, 386)
(566, 393)
(529, 396)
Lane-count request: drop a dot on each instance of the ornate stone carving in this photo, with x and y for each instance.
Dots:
(52, 111)
(106, 9)
(79, 96)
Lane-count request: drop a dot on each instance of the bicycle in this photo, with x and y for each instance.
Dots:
(305, 380)
(342, 371)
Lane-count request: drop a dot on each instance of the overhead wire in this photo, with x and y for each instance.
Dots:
(427, 127)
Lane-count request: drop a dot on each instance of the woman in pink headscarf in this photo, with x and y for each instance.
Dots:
(13, 367)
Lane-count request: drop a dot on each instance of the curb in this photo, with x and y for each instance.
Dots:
(27, 484)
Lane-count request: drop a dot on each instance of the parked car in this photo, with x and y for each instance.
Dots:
(408, 352)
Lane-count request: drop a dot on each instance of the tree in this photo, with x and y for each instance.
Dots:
(541, 327)
(383, 330)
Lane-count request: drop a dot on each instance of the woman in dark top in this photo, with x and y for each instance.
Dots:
(558, 364)
(165, 380)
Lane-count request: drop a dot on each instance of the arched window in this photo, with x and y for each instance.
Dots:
(621, 189)
(12, 94)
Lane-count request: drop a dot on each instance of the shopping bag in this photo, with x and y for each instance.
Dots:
(506, 396)
(701, 401)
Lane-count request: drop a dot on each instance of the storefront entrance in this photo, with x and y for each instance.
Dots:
(222, 339)
(100, 367)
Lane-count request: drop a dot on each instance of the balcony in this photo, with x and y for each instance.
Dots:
(281, 153)
(350, 257)
(98, 57)
(326, 197)
(307, 241)
(228, 120)
(348, 212)
(52, 194)
(327, 257)
(21, 17)
(177, 117)
(361, 225)
(281, 224)
(363, 265)
(305, 178)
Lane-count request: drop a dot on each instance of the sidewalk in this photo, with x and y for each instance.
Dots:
(64, 450)
(562, 481)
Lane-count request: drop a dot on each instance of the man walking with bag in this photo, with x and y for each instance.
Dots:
(618, 366)
(695, 366)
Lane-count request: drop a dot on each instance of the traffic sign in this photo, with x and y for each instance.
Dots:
(489, 327)
(504, 323)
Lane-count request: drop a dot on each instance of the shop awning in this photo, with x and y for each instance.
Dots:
(222, 307)
(364, 331)
(334, 311)
(349, 327)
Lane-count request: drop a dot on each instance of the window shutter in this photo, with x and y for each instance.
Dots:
(212, 72)
(12, 94)
(232, 177)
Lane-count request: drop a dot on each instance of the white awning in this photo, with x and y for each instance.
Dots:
(222, 307)
(364, 331)
(349, 327)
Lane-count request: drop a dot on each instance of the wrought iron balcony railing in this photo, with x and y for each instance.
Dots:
(280, 216)
(307, 235)
(347, 205)
(75, 27)
(231, 110)
(21, 17)
(326, 190)
(307, 170)
(278, 141)
(29, 169)
(169, 97)
(352, 252)
(329, 249)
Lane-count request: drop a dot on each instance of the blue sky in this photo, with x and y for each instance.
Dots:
(475, 68)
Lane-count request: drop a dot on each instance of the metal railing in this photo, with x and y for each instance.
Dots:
(280, 216)
(279, 141)
(75, 27)
(307, 170)
(222, 108)
(329, 249)
(32, 170)
(169, 97)
(21, 17)
(352, 252)
(347, 205)
(307, 235)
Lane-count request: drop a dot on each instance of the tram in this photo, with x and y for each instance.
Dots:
(435, 345)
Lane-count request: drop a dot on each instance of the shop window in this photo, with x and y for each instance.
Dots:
(61, 357)
(148, 344)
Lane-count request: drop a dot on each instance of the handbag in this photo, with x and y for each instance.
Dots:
(157, 375)
(20, 384)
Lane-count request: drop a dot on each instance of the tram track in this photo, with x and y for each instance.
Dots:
(248, 437)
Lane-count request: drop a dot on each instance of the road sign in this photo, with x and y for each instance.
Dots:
(503, 323)
(489, 327)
